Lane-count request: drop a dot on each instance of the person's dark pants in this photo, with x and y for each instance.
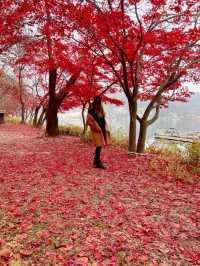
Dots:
(97, 155)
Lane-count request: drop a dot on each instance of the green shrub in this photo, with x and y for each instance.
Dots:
(76, 131)
(71, 130)
(184, 165)
(153, 149)
(13, 119)
(167, 150)
(193, 153)
(119, 139)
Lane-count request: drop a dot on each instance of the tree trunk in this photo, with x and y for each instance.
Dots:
(20, 81)
(41, 119)
(44, 118)
(142, 137)
(52, 120)
(31, 114)
(132, 126)
(35, 118)
(52, 109)
(22, 113)
(84, 122)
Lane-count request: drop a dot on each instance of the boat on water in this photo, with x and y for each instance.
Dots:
(173, 135)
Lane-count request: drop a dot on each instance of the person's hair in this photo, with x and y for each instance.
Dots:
(95, 100)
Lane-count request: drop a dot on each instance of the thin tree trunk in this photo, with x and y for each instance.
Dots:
(83, 118)
(22, 113)
(20, 81)
(142, 137)
(44, 118)
(31, 114)
(36, 116)
(41, 119)
(21, 101)
(132, 127)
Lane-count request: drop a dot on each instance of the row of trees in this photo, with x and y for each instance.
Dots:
(15, 99)
(73, 50)
(8, 91)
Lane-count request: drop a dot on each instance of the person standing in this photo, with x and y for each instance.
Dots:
(99, 129)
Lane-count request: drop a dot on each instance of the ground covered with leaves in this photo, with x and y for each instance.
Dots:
(56, 209)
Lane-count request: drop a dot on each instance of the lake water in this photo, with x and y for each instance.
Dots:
(185, 117)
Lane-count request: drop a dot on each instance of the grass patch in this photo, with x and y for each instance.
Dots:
(184, 165)
(117, 139)
(13, 119)
(76, 131)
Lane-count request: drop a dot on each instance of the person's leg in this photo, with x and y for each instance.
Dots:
(97, 155)
(97, 160)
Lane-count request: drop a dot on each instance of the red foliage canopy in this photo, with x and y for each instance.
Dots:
(149, 46)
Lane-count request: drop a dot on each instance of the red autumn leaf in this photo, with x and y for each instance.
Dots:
(25, 253)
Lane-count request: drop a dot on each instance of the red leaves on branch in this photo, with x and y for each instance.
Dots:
(143, 49)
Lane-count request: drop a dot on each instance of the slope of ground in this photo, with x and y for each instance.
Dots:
(56, 209)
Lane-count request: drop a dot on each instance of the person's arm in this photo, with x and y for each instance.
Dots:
(107, 127)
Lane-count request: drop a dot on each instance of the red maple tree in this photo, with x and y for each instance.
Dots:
(150, 47)
(93, 81)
